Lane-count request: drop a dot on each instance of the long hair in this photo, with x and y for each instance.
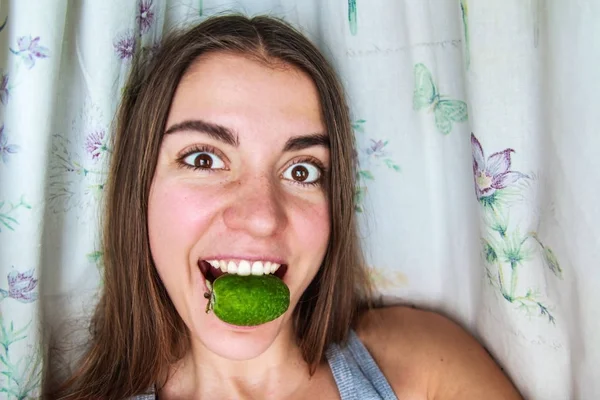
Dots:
(136, 332)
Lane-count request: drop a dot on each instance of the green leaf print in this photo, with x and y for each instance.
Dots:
(390, 164)
(426, 95)
(359, 197)
(95, 257)
(373, 154)
(360, 189)
(7, 213)
(550, 259)
(22, 377)
(514, 250)
(505, 251)
(352, 17)
(366, 175)
(358, 125)
(489, 252)
(75, 180)
(465, 20)
(506, 255)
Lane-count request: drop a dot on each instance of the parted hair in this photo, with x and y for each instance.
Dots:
(136, 333)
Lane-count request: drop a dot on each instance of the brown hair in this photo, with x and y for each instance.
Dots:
(136, 331)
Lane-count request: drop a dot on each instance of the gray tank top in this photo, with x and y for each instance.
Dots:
(356, 374)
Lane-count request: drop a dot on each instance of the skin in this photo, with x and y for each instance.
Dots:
(426, 356)
(249, 208)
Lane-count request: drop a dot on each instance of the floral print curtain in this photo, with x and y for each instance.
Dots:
(479, 175)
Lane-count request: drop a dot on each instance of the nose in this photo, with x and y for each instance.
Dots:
(256, 208)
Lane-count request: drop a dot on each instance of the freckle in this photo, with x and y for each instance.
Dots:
(441, 359)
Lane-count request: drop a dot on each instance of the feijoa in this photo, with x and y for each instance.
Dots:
(248, 300)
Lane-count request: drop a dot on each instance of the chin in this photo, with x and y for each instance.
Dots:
(237, 343)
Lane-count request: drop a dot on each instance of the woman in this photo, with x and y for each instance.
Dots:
(234, 150)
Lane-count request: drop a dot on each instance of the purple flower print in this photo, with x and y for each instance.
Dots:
(5, 148)
(4, 88)
(94, 144)
(152, 50)
(145, 16)
(492, 174)
(21, 286)
(29, 50)
(376, 148)
(125, 46)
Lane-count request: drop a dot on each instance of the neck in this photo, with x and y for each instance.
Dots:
(276, 373)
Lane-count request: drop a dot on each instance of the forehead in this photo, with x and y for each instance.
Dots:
(239, 91)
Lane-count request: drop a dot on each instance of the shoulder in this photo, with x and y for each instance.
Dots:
(426, 355)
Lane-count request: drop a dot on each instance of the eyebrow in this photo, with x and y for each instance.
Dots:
(216, 131)
(305, 141)
(226, 135)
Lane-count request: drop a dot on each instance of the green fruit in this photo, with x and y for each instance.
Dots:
(248, 300)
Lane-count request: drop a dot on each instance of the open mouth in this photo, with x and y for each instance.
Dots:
(212, 269)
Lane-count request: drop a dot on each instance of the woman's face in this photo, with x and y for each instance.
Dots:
(240, 179)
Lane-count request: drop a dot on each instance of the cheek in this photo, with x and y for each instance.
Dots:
(314, 227)
(311, 226)
(178, 214)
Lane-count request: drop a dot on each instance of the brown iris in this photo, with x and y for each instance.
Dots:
(203, 161)
(299, 173)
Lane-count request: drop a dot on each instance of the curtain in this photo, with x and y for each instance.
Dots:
(477, 132)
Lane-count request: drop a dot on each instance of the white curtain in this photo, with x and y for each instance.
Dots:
(477, 127)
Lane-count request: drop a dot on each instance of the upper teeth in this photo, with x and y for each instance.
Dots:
(244, 267)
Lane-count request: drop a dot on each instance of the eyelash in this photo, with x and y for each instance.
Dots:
(209, 149)
(198, 149)
(316, 163)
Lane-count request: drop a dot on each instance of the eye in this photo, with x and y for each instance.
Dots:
(303, 172)
(204, 160)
